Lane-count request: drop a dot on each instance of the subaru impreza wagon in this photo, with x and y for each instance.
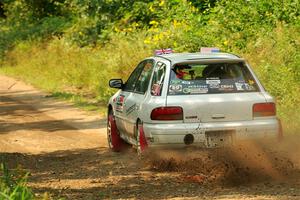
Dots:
(179, 99)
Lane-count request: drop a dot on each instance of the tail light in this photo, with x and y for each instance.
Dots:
(264, 109)
(167, 113)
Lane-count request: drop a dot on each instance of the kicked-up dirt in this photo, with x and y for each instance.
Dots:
(66, 152)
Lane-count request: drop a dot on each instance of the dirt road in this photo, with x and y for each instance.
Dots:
(65, 150)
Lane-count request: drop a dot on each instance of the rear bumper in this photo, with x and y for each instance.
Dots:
(176, 134)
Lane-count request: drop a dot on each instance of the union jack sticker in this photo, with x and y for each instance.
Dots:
(163, 51)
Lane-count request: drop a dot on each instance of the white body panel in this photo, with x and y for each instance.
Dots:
(216, 107)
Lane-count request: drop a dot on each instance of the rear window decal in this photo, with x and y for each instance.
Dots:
(226, 88)
(175, 88)
(239, 86)
(186, 82)
(214, 81)
(175, 81)
(186, 90)
(214, 86)
(244, 86)
(211, 78)
(198, 90)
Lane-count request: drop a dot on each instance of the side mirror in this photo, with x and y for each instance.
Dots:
(116, 83)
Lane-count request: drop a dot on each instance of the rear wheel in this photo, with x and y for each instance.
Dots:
(114, 140)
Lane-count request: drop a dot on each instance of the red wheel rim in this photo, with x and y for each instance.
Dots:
(114, 140)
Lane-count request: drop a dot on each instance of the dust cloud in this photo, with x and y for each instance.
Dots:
(244, 163)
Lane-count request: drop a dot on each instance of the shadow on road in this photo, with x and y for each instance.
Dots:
(17, 115)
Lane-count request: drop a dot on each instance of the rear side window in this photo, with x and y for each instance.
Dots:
(211, 78)
(158, 79)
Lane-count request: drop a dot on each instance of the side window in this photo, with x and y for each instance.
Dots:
(131, 82)
(144, 79)
(158, 79)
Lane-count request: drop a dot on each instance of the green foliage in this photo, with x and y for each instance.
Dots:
(2, 15)
(31, 10)
(31, 20)
(276, 58)
(62, 64)
(235, 23)
(44, 29)
(13, 184)
(77, 46)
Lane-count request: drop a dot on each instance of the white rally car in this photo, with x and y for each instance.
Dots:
(178, 99)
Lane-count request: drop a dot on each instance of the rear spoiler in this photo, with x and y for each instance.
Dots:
(210, 61)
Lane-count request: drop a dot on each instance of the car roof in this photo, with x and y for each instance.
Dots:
(190, 57)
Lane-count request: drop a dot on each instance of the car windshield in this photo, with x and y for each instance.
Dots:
(211, 78)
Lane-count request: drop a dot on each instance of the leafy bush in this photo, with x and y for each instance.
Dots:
(61, 64)
(75, 47)
(276, 58)
(31, 20)
(232, 24)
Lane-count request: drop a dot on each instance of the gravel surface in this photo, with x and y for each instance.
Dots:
(65, 150)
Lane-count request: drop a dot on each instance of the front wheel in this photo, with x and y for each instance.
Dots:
(114, 140)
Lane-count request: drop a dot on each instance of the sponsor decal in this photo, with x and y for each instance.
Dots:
(213, 81)
(120, 103)
(249, 87)
(175, 88)
(214, 86)
(175, 82)
(197, 86)
(226, 87)
(244, 86)
(186, 82)
(131, 109)
(239, 86)
(198, 90)
(186, 90)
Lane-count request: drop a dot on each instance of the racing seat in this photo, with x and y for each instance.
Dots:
(214, 71)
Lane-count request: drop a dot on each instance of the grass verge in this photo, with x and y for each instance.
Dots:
(13, 184)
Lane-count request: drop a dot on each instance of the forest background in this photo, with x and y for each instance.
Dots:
(71, 48)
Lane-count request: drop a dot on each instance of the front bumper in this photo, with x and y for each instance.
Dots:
(212, 134)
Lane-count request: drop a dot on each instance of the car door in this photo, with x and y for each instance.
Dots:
(137, 97)
(127, 90)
